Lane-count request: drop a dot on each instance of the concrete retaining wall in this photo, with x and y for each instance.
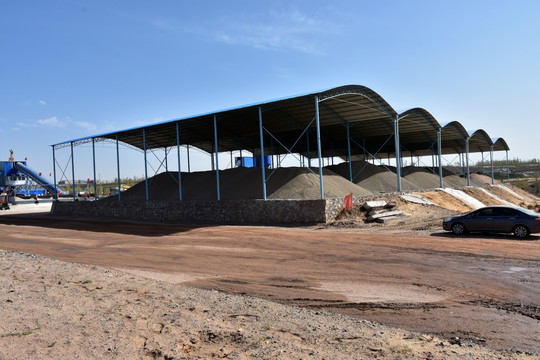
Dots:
(269, 212)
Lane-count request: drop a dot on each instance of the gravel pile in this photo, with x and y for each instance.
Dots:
(294, 183)
(376, 179)
(245, 183)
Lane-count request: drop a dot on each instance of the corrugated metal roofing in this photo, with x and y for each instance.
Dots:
(369, 117)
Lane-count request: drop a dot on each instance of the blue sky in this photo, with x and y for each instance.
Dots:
(71, 69)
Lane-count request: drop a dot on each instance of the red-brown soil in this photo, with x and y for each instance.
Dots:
(480, 289)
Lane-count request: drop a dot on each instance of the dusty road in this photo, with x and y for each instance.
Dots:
(482, 288)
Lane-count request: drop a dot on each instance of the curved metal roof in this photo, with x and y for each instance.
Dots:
(499, 144)
(418, 132)
(289, 125)
(479, 141)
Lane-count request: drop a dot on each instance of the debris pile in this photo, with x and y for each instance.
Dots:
(382, 212)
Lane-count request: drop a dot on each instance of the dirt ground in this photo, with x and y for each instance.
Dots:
(479, 294)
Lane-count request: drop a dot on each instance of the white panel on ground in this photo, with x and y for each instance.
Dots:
(467, 199)
(416, 199)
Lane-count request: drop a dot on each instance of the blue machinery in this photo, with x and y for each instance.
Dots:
(15, 176)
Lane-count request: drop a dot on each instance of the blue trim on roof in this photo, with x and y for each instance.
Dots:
(197, 116)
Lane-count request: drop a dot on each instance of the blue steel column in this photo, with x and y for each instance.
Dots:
(482, 153)
(73, 172)
(319, 144)
(166, 160)
(55, 195)
(467, 160)
(507, 166)
(179, 168)
(272, 151)
(217, 160)
(439, 156)
(364, 147)
(398, 154)
(94, 165)
(188, 164)
(491, 160)
(262, 153)
(349, 153)
(118, 169)
(308, 150)
(145, 164)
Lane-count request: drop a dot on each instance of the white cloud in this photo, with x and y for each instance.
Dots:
(42, 102)
(52, 121)
(282, 31)
(287, 30)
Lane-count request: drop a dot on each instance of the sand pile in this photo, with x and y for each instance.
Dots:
(245, 183)
(484, 196)
(446, 200)
(376, 179)
(515, 196)
(467, 199)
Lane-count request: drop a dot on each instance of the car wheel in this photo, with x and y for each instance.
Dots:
(520, 231)
(458, 229)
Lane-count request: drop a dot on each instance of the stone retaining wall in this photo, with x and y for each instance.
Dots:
(269, 212)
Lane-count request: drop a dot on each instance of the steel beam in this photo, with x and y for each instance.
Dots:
(262, 153)
(94, 166)
(482, 153)
(118, 169)
(507, 166)
(491, 161)
(398, 152)
(467, 161)
(55, 195)
(145, 163)
(179, 167)
(319, 145)
(439, 156)
(166, 161)
(188, 163)
(308, 150)
(349, 152)
(217, 157)
(73, 172)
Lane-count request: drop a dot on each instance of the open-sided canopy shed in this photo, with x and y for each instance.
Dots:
(345, 121)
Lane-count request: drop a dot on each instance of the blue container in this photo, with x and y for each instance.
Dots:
(244, 162)
(250, 162)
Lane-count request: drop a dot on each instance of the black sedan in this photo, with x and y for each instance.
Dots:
(501, 219)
